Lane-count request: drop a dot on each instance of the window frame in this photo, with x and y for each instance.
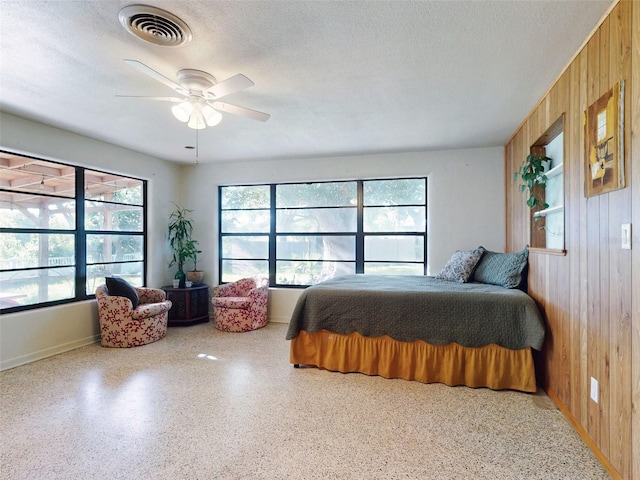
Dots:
(80, 232)
(358, 234)
(538, 221)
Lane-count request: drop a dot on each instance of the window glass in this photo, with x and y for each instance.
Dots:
(36, 268)
(233, 270)
(310, 272)
(132, 272)
(389, 268)
(31, 286)
(317, 220)
(114, 204)
(322, 229)
(105, 248)
(411, 191)
(34, 250)
(245, 247)
(113, 217)
(42, 237)
(316, 247)
(108, 187)
(245, 221)
(404, 248)
(29, 211)
(245, 197)
(307, 195)
(26, 174)
(245, 213)
(394, 219)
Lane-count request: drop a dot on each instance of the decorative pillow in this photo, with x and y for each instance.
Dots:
(504, 269)
(460, 266)
(119, 287)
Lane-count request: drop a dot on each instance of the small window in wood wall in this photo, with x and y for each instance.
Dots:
(547, 225)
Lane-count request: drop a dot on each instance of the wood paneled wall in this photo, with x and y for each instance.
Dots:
(591, 295)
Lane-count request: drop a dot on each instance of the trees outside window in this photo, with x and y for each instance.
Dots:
(63, 229)
(303, 233)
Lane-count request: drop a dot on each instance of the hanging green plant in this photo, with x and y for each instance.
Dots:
(531, 174)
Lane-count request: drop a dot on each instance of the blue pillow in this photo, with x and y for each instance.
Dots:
(504, 269)
(119, 287)
(460, 266)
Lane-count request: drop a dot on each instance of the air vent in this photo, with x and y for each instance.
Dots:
(154, 25)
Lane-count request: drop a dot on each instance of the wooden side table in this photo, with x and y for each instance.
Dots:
(190, 305)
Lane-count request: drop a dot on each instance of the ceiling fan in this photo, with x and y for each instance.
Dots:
(199, 106)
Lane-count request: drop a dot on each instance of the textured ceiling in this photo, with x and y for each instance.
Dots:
(337, 77)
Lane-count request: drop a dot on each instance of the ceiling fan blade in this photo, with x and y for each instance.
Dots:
(160, 99)
(240, 111)
(153, 74)
(230, 85)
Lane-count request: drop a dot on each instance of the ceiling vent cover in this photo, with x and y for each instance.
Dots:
(154, 25)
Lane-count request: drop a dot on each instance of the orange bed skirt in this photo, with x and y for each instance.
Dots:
(491, 366)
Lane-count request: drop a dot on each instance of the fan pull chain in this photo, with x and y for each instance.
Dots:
(197, 149)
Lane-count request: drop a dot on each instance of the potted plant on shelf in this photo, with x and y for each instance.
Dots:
(533, 180)
(184, 247)
(195, 276)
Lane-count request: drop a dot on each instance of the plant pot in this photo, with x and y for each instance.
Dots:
(195, 276)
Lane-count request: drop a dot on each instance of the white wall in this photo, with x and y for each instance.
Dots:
(30, 335)
(466, 204)
(466, 209)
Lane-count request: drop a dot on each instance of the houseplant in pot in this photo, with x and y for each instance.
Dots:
(183, 246)
(195, 276)
(533, 180)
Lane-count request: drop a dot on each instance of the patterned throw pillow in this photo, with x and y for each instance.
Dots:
(119, 287)
(460, 266)
(504, 269)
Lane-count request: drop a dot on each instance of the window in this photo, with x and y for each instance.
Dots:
(394, 226)
(63, 229)
(303, 233)
(547, 225)
(114, 227)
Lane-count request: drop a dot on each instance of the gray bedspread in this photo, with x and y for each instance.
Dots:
(409, 308)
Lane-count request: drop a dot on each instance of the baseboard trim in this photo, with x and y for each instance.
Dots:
(279, 319)
(48, 352)
(608, 466)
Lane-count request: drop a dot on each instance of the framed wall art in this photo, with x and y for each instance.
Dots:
(604, 143)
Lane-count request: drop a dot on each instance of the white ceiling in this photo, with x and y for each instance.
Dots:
(337, 77)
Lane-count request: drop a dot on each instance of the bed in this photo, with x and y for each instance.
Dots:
(419, 328)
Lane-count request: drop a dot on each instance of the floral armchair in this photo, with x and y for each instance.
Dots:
(121, 325)
(241, 306)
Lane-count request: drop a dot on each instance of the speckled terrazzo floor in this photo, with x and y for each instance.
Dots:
(203, 404)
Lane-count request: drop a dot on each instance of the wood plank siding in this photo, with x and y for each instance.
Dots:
(591, 295)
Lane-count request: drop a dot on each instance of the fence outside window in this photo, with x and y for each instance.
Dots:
(63, 229)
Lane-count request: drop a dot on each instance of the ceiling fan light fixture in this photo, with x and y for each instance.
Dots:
(196, 106)
(211, 115)
(196, 114)
(182, 111)
(196, 120)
